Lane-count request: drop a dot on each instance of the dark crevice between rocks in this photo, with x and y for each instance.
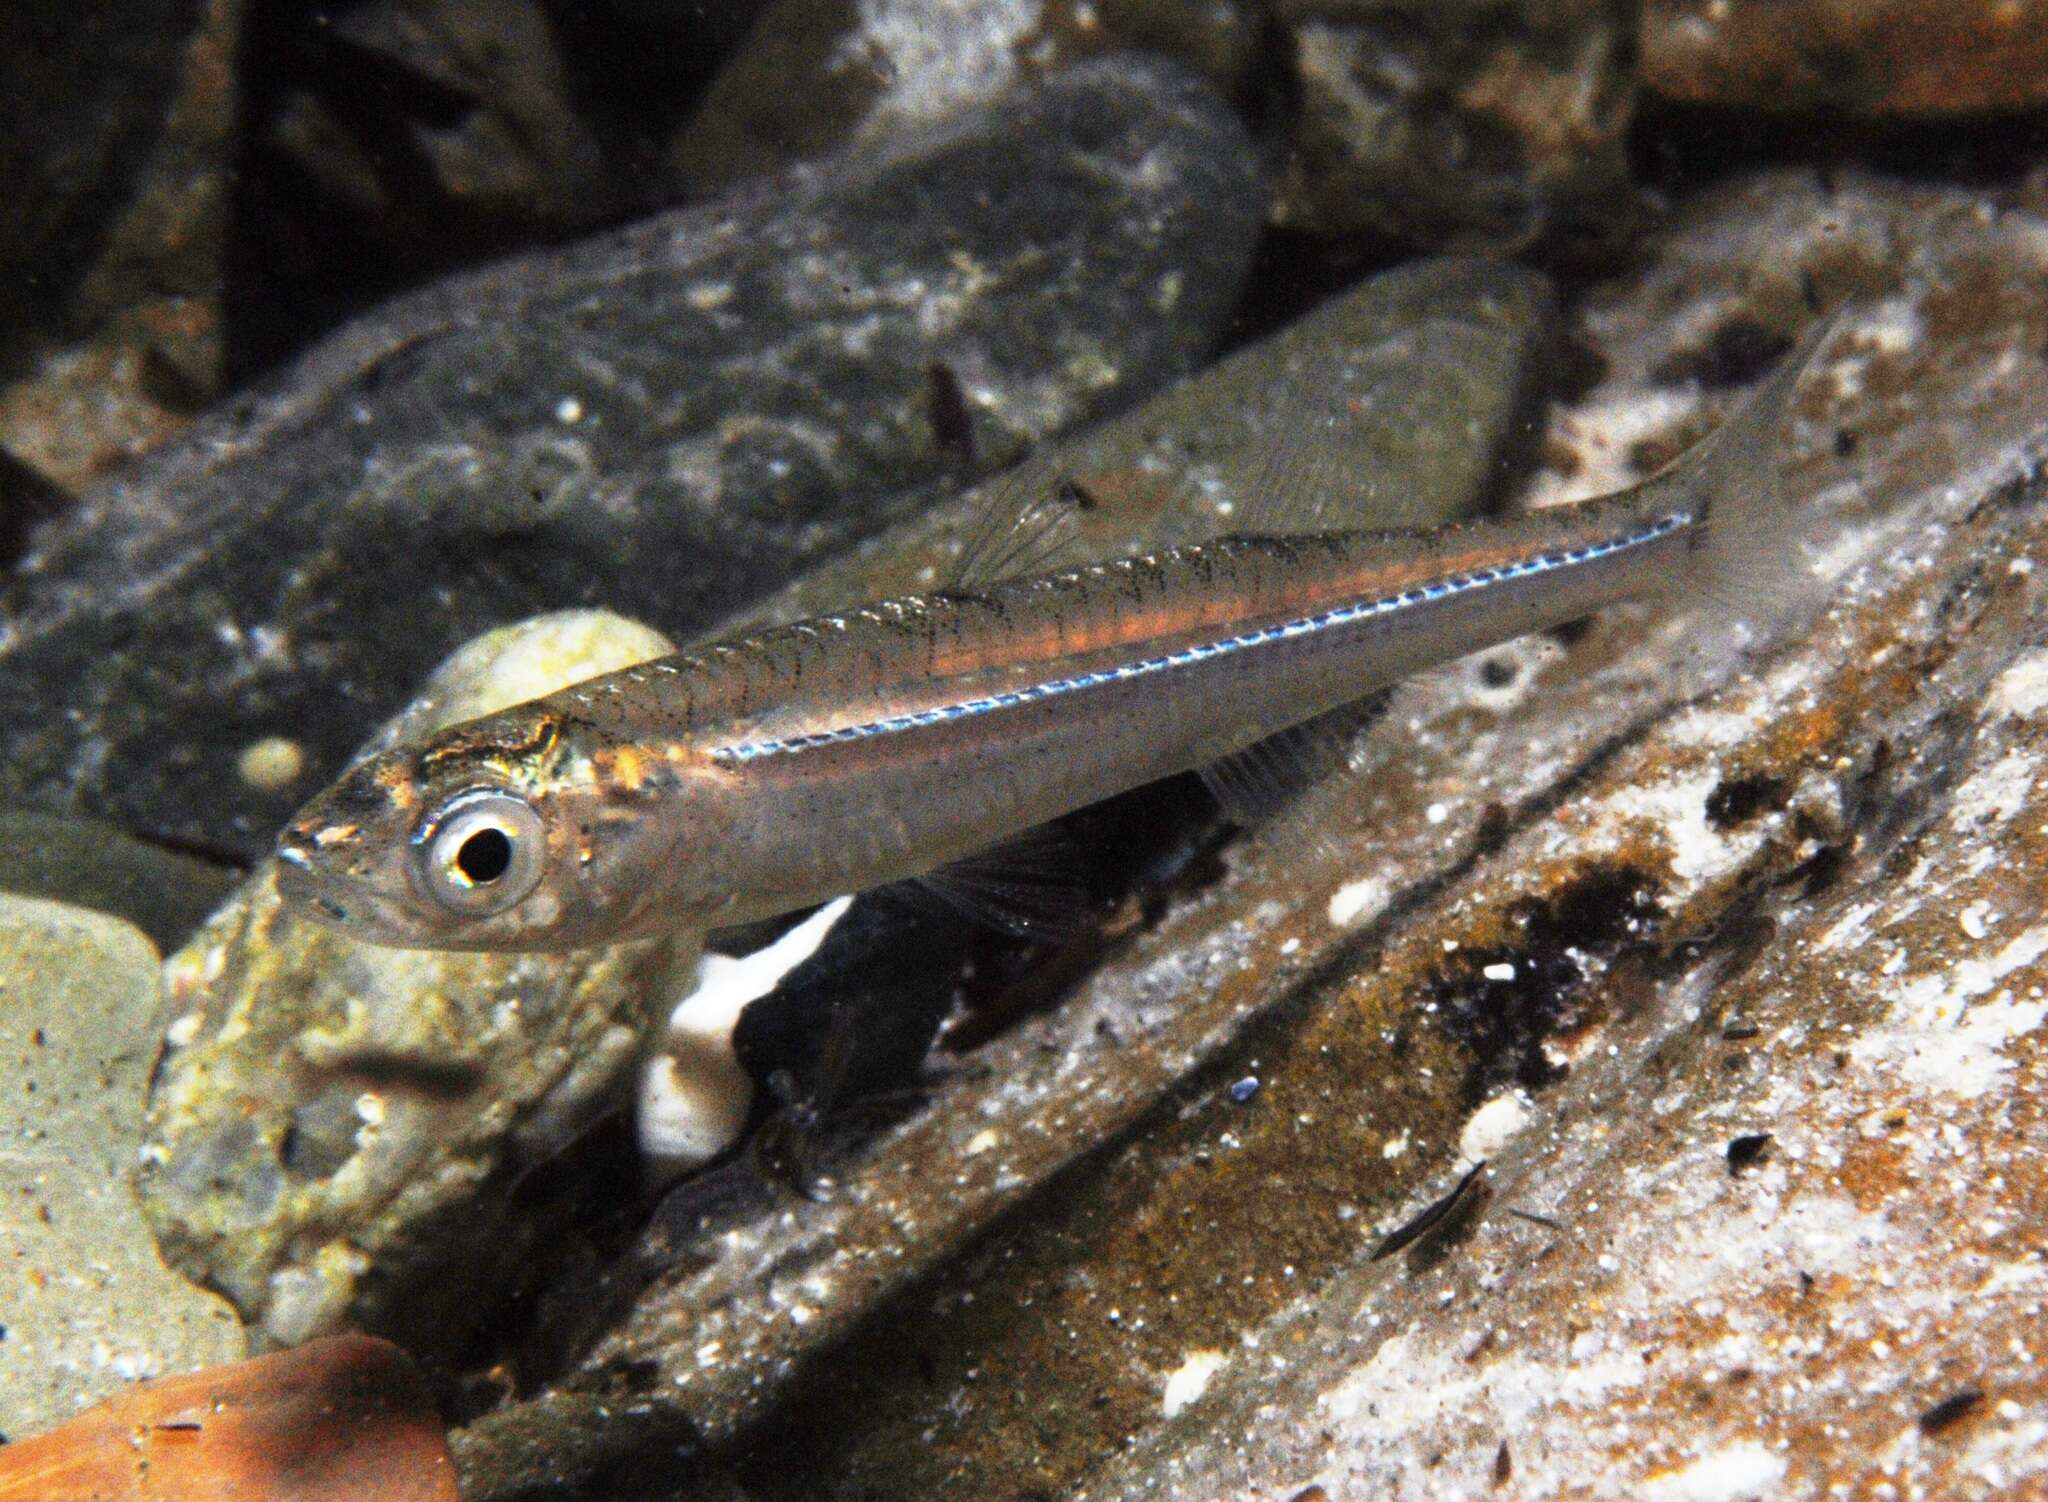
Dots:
(1677, 148)
(304, 258)
(1141, 851)
(1737, 800)
(26, 499)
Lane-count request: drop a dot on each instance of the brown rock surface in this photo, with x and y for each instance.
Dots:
(1886, 58)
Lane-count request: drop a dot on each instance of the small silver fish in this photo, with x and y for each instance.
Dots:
(762, 773)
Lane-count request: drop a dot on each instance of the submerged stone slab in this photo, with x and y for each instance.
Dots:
(336, 1131)
(89, 1305)
(667, 420)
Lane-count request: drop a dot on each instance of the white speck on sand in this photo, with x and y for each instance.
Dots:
(1187, 1384)
(1356, 901)
(1742, 1470)
(1494, 1125)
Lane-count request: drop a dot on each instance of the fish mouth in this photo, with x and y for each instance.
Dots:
(299, 883)
(309, 887)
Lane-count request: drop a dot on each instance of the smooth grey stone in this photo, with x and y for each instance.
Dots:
(91, 864)
(86, 1303)
(668, 420)
(1411, 400)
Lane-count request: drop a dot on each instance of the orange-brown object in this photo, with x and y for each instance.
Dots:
(341, 1420)
(1897, 59)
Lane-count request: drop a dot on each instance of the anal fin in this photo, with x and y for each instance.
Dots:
(1266, 777)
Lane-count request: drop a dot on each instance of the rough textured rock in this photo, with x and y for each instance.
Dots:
(115, 152)
(1403, 400)
(1884, 58)
(336, 1131)
(1781, 948)
(814, 75)
(88, 1304)
(1566, 915)
(90, 864)
(668, 420)
(1484, 123)
(1412, 400)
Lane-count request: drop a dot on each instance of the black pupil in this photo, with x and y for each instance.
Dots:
(484, 856)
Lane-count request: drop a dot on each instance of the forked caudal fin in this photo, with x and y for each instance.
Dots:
(1747, 557)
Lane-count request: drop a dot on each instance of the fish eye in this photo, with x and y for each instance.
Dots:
(480, 852)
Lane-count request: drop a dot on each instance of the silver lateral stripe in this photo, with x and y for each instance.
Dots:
(1343, 615)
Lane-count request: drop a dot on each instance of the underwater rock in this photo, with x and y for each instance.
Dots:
(335, 1130)
(1480, 124)
(88, 1304)
(816, 75)
(90, 864)
(669, 419)
(116, 137)
(1406, 400)
(1889, 59)
(1804, 906)
(1413, 399)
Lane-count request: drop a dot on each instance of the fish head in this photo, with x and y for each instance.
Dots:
(497, 834)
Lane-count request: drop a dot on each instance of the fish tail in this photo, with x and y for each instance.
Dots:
(1746, 553)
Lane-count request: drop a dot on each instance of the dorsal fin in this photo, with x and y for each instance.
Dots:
(1027, 519)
